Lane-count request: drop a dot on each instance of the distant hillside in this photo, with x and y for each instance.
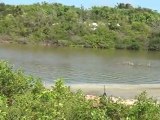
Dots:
(121, 27)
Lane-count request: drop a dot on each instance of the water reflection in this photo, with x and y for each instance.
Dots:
(85, 65)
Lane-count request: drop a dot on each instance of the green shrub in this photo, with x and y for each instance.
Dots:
(154, 43)
(30, 101)
(145, 108)
(15, 82)
(3, 107)
(133, 45)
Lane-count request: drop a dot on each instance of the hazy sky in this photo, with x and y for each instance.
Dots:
(153, 4)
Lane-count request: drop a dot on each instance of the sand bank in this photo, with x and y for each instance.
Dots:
(124, 91)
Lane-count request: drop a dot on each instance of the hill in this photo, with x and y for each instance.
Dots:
(121, 27)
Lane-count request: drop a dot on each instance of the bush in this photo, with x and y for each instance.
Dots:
(133, 45)
(30, 101)
(15, 82)
(145, 108)
(3, 107)
(154, 43)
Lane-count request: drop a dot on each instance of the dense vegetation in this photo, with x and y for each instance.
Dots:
(24, 98)
(121, 27)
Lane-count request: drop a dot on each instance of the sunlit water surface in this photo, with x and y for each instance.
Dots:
(85, 67)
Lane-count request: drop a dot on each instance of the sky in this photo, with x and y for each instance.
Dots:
(152, 4)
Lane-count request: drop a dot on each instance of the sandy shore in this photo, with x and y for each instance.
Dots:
(114, 99)
(123, 91)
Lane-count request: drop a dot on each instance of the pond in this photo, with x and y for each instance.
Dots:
(84, 67)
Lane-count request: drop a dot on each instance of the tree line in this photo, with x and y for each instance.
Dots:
(119, 27)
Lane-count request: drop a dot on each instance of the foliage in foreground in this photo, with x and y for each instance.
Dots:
(24, 98)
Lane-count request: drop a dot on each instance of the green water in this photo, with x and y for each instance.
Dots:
(83, 66)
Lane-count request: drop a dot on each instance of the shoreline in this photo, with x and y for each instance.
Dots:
(124, 91)
(118, 100)
(55, 45)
